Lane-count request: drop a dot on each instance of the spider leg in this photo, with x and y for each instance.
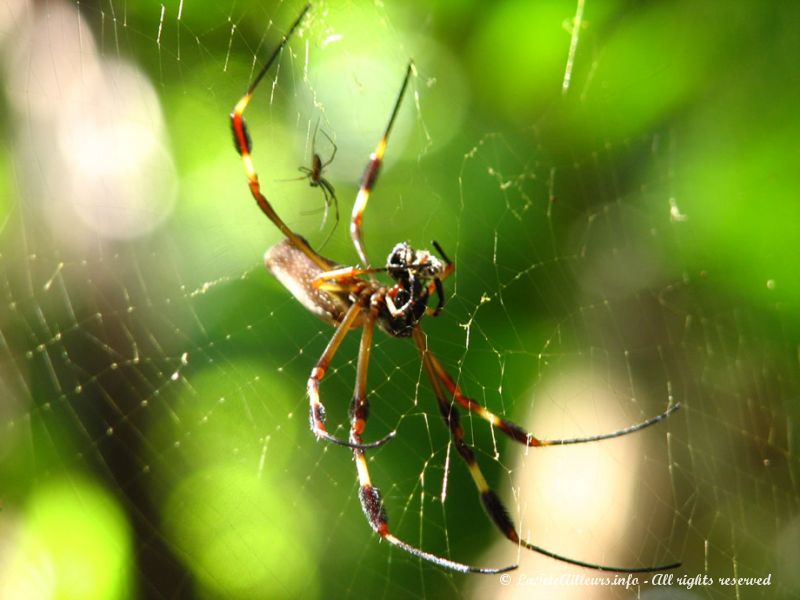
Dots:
(491, 502)
(449, 265)
(318, 183)
(444, 256)
(295, 178)
(436, 285)
(330, 198)
(371, 175)
(244, 146)
(369, 495)
(517, 433)
(314, 136)
(333, 154)
(344, 279)
(316, 408)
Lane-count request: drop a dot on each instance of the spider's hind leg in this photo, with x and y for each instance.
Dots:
(491, 501)
(517, 433)
(370, 496)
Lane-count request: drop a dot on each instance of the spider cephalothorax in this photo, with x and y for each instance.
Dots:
(351, 297)
(405, 304)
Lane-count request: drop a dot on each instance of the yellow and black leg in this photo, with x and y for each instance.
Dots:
(370, 496)
(516, 432)
(316, 408)
(371, 175)
(491, 502)
(244, 146)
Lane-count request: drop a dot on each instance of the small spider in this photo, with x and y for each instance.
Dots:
(352, 297)
(315, 179)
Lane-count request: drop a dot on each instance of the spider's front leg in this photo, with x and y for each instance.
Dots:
(244, 146)
(517, 433)
(370, 175)
(370, 496)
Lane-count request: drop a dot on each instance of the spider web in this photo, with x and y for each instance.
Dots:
(611, 261)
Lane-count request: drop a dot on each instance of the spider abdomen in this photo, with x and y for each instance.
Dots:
(296, 272)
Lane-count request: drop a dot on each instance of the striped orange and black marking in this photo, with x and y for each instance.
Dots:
(370, 175)
(491, 502)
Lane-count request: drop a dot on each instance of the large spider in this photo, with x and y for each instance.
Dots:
(352, 297)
